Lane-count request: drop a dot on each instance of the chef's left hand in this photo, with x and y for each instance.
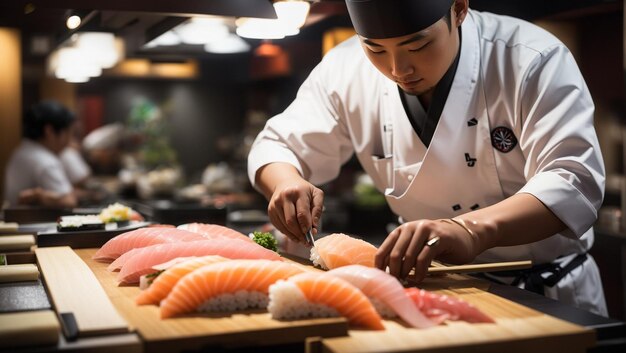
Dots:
(405, 247)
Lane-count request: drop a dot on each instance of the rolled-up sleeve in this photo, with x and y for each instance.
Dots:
(310, 134)
(564, 167)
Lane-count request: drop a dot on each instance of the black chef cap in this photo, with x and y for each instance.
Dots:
(380, 19)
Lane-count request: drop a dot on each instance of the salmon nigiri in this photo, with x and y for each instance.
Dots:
(212, 231)
(315, 294)
(226, 286)
(338, 250)
(140, 261)
(385, 292)
(140, 238)
(165, 281)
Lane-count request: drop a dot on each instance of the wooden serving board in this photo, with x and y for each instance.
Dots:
(197, 331)
(517, 328)
(80, 301)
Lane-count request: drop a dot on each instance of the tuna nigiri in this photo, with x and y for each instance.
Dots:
(140, 261)
(338, 250)
(226, 286)
(314, 294)
(140, 238)
(163, 283)
(442, 307)
(212, 231)
(384, 291)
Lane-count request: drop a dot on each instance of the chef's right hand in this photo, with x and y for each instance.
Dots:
(295, 207)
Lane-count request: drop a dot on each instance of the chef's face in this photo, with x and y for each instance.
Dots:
(56, 141)
(416, 62)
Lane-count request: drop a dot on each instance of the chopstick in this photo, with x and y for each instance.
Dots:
(488, 267)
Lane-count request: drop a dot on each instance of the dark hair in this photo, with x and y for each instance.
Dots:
(46, 113)
(447, 18)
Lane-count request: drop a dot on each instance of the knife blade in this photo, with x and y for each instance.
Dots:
(309, 238)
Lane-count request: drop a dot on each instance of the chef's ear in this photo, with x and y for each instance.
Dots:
(459, 9)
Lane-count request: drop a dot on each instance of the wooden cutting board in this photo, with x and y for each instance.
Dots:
(517, 328)
(197, 331)
(78, 298)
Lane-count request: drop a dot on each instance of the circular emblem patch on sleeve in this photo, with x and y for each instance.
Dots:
(503, 139)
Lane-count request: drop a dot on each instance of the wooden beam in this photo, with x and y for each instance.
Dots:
(236, 8)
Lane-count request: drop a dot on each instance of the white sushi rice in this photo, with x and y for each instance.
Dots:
(383, 309)
(239, 300)
(317, 259)
(288, 302)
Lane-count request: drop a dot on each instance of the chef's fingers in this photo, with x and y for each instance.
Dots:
(291, 220)
(317, 206)
(382, 254)
(398, 252)
(424, 259)
(276, 217)
(415, 247)
(303, 214)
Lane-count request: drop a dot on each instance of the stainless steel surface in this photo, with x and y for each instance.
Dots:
(309, 238)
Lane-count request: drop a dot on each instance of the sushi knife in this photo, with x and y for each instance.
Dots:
(309, 238)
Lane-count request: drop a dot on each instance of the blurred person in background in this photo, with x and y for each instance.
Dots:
(35, 174)
(77, 169)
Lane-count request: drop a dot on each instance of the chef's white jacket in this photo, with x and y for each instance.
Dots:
(518, 119)
(31, 166)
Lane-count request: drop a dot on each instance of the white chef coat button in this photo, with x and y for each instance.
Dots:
(409, 177)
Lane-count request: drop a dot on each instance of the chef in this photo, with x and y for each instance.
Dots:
(478, 129)
(35, 173)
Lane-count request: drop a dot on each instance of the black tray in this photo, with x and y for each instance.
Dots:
(84, 238)
(177, 213)
(36, 214)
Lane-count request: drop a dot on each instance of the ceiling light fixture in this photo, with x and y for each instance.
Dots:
(200, 30)
(100, 47)
(292, 12)
(228, 45)
(260, 28)
(73, 22)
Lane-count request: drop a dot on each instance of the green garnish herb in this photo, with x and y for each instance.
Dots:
(151, 277)
(3, 259)
(266, 240)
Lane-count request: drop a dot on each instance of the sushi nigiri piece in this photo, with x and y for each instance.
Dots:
(163, 282)
(316, 294)
(336, 250)
(140, 261)
(226, 286)
(442, 307)
(385, 292)
(248, 247)
(212, 231)
(148, 278)
(140, 238)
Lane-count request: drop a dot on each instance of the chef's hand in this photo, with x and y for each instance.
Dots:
(295, 207)
(405, 247)
(30, 196)
(43, 197)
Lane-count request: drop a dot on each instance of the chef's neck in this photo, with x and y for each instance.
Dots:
(425, 98)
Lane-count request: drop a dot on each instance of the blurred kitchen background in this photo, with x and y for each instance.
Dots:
(169, 96)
